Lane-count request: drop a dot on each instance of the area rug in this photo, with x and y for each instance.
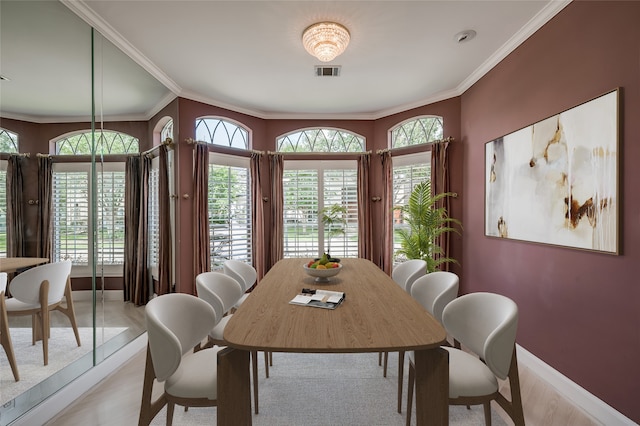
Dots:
(328, 390)
(63, 350)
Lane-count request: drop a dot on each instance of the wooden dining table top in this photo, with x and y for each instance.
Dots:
(13, 264)
(376, 315)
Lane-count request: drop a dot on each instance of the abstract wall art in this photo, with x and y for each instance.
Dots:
(556, 181)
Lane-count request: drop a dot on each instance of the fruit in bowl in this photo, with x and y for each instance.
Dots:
(322, 269)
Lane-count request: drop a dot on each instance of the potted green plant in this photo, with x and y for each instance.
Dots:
(426, 222)
(334, 219)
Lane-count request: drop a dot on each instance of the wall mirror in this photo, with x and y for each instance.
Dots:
(61, 78)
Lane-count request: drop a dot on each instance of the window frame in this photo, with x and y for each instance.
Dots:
(320, 167)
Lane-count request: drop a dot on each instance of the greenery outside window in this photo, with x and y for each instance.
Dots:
(229, 202)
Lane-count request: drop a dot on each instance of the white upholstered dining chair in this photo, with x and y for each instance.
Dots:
(37, 292)
(222, 292)
(433, 291)
(176, 322)
(243, 273)
(485, 324)
(405, 274)
(5, 337)
(247, 276)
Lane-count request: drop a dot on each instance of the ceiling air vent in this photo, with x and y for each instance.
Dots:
(322, 71)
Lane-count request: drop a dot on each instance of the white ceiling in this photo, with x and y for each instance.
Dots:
(247, 55)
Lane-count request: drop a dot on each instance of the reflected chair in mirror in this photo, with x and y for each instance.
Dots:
(485, 324)
(39, 291)
(222, 292)
(246, 275)
(404, 274)
(433, 291)
(5, 337)
(176, 322)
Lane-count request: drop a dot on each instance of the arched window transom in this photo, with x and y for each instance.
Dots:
(417, 131)
(8, 141)
(108, 142)
(321, 140)
(217, 131)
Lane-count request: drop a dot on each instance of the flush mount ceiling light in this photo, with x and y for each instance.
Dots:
(325, 40)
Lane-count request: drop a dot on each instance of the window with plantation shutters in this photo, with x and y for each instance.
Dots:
(73, 196)
(311, 188)
(73, 215)
(153, 216)
(229, 203)
(3, 208)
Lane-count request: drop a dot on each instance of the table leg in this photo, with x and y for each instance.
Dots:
(234, 393)
(432, 387)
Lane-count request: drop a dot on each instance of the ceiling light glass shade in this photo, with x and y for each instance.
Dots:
(325, 40)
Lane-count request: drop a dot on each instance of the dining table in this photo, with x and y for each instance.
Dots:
(14, 264)
(376, 315)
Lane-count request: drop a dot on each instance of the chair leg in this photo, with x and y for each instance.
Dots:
(148, 408)
(69, 311)
(384, 364)
(267, 360)
(5, 339)
(170, 408)
(487, 413)
(254, 364)
(410, 385)
(44, 319)
(400, 379)
(514, 408)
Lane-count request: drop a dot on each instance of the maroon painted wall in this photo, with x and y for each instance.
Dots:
(579, 311)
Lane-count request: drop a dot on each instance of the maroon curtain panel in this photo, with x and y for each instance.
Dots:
(165, 245)
(45, 190)
(257, 216)
(15, 204)
(440, 184)
(137, 280)
(365, 237)
(386, 238)
(201, 250)
(276, 163)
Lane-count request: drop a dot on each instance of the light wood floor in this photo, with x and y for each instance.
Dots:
(116, 401)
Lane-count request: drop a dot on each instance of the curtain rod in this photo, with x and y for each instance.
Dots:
(447, 139)
(323, 153)
(168, 142)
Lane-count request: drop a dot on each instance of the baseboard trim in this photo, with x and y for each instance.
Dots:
(601, 412)
(110, 295)
(55, 404)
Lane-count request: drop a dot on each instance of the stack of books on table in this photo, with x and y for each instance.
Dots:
(318, 298)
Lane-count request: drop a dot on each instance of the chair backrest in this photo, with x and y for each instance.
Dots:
(486, 323)
(223, 286)
(176, 322)
(435, 290)
(26, 285)
(3, 281)
(204, 292)
(407, 272)
(242, 272)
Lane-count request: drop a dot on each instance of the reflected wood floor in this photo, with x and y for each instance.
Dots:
(116, 401)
